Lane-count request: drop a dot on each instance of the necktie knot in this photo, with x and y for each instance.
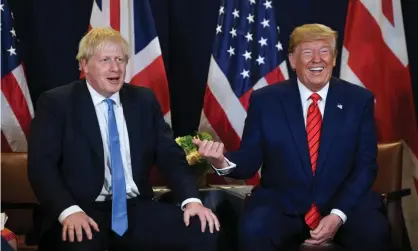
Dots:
(109, 103)
(315, 97)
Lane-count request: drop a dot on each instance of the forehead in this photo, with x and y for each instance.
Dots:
(315, 44)
(109, 48)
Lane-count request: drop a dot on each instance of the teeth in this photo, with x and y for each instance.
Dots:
(316, 69)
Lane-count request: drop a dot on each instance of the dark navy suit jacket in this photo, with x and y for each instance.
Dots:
(274, 137)
(66, 159)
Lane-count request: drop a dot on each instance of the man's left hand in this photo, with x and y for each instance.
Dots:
(206, 216)
(326, 230)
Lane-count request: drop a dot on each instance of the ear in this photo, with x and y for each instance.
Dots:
(83, 66)
(292, 60)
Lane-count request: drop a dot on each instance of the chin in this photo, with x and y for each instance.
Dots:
(113, 90)
(319, 80)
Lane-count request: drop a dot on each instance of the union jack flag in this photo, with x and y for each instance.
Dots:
(134, 20)
(375, 56)
(247, 55)
(16, 103)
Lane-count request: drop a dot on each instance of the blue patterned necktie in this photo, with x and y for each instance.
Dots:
(119, 212)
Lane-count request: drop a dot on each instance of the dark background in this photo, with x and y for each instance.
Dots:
(49, 32)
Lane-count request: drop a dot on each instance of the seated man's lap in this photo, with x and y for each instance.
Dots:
(365, 228)
(151, 225)
(160, 225)
(264, 224)
(51, 239)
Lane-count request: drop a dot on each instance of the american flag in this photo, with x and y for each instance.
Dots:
(247, 55)
(134, 20)
(16, 104)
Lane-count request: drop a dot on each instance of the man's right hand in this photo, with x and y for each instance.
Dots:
(74, 225)
(212, 151)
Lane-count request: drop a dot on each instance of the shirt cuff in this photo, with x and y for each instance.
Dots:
(190, 200)
(67, 212)
(224, 171)
(340, 214)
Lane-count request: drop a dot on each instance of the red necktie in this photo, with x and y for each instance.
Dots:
(313, 130)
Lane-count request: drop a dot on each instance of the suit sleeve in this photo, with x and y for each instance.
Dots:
(44, 156)
(171, 159)
(248, 158)
(364, 172)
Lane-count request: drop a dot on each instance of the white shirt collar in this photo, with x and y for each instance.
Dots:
(305, 93)
(98, 98)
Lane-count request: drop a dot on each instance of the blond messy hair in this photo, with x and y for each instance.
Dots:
(312, 32)
(95, 39)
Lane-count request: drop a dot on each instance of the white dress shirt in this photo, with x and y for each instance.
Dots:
(102, 116)
(305, 94)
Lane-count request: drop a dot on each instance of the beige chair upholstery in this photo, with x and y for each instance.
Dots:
(17, 197)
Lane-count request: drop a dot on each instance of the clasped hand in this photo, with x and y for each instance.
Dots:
(325, 231)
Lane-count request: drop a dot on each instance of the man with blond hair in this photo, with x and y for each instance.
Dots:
(92, 145)
(315, 138)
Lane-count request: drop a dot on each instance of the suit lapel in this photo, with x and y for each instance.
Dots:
(133, 116)
(332, 120)
(294, 114)
(84, 109)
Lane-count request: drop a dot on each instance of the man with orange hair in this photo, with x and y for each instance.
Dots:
(315, 138)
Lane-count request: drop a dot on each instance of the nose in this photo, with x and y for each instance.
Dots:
(316, 58)
(114, 66)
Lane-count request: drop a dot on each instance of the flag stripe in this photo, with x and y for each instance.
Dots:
(223, 93)
(218, 119)
(387, 9)
(16, 102)
(153, 76)
(20, 76)
(145, 57)
(5, 147)
(99, 13)
(277, 75)
(11, 128)
(245, 99)
(392, 34)
(115, 14)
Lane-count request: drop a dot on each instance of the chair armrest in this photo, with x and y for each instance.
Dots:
(387, 197)
(13, 205)
(396, 195)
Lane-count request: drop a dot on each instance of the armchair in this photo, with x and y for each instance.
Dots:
(17, 199)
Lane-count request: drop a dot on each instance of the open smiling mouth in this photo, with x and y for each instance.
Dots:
(114, 80)
(316, 69)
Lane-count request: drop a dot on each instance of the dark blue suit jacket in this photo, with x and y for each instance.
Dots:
(275, 138)
(66, 159)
